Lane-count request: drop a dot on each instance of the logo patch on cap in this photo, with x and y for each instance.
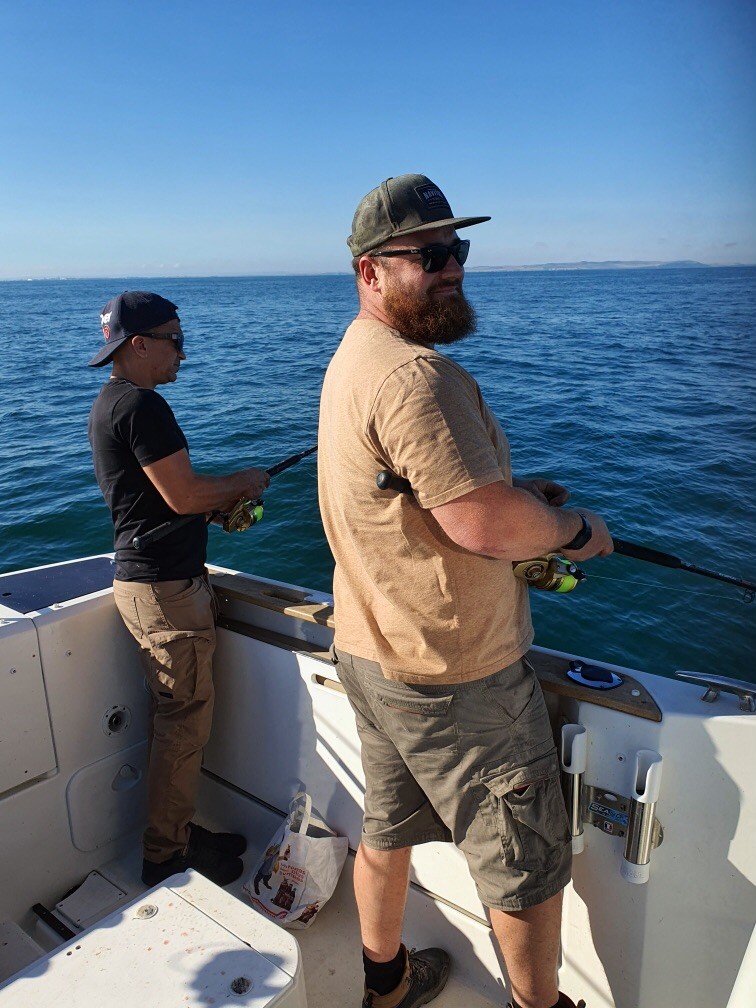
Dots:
(104, 320)
(432, 197)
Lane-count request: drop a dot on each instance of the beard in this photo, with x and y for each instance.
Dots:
(429, 320)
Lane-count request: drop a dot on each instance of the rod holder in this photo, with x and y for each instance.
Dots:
(635, 865)
(574, 754)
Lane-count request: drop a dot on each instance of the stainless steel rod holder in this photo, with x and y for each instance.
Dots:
(573, 755)
(640, 829)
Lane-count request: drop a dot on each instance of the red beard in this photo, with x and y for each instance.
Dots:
(429, 320)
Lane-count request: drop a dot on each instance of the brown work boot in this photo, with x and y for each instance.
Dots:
(425, 976)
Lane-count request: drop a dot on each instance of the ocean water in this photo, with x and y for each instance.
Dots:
(634, 388)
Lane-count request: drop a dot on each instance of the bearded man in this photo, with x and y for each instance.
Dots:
(432, 627)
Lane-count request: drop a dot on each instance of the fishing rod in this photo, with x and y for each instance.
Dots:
(638, 552)
(553, 572)
(243, 515)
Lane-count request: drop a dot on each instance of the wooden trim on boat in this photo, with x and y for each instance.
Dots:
(631, 697)
(288, 601)
(276, 639)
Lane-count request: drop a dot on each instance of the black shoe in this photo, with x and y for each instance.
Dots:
(229, 844)
(213, 865)
(425, 976)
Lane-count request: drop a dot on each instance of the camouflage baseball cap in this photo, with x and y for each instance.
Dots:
(401, 206)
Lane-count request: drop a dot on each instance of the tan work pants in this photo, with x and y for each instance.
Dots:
(174, 624)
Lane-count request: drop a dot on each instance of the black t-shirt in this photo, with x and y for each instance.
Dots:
(131, 427)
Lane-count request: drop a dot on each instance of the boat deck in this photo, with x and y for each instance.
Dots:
(332, 953)
(331, 947)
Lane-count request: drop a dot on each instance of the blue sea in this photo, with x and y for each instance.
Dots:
(635, 388)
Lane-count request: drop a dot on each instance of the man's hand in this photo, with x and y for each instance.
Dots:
(544, 490)
(257, 481)
(600, 543)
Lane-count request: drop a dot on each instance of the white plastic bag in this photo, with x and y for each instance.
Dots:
(298, 871)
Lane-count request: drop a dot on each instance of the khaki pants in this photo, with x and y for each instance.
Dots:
(174, 624)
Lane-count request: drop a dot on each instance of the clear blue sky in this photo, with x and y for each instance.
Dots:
(197, 138)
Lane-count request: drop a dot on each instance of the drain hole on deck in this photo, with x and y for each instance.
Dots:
(241, 985)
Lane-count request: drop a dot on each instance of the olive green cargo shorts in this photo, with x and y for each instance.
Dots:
(474, 763)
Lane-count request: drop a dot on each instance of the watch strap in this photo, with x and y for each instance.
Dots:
(582, 536)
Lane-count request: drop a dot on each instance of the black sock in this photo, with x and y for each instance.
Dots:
(384, 977)
(556, 1005)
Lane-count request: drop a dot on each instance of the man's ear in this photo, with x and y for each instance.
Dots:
(138, 346)
(369, 272)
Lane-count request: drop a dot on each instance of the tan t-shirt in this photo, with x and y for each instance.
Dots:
(405, 595)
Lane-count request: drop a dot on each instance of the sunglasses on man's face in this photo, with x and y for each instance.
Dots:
(178, 338)
(433, 257)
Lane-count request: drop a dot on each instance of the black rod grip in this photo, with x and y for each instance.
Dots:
(625, 548)
(162, 530)
(386, 480)
(629, 549)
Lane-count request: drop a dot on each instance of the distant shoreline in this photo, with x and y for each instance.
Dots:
(618, 264)
(534, 268)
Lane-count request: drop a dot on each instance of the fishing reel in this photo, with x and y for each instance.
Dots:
(243, 515)
(551, 572)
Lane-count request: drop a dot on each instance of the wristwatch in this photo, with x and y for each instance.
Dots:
(582, 537)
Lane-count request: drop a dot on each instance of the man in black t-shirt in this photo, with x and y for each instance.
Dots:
(142, 464)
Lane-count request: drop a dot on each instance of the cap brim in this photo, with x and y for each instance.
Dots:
(105, 352)
(456, 222)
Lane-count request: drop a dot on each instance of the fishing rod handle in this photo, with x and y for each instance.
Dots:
(386, 480)
(625, 548)
(139, 542)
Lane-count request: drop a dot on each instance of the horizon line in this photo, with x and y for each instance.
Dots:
(582, 265)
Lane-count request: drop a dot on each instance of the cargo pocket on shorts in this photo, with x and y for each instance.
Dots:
(420, 726)
(531, 814)
(424, 706)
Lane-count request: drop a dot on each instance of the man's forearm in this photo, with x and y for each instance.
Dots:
(507, 523)
(188, 492)
(209, 493)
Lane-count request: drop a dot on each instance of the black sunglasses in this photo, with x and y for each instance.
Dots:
(178, 338)
(433, 257)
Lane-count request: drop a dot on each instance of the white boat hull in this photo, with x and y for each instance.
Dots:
(282, 720)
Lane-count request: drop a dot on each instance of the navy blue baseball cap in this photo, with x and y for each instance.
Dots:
(128, 314)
